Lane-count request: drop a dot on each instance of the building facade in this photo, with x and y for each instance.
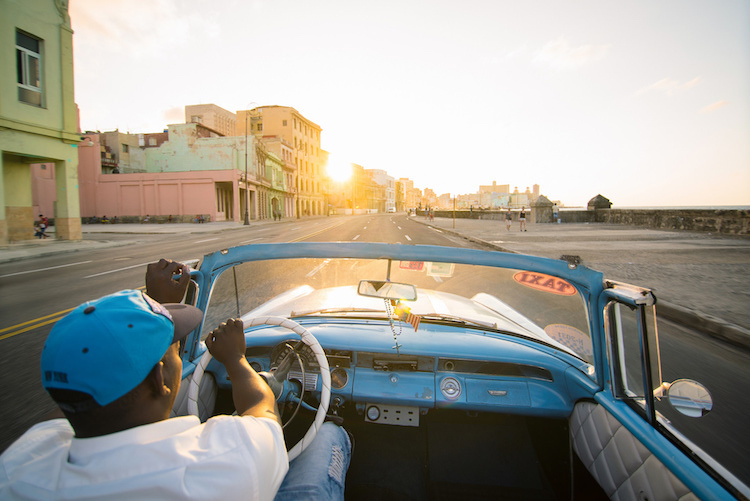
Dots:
(196, 171)
(38, 116)
(213, 117)
(388, 183)
(304, 137)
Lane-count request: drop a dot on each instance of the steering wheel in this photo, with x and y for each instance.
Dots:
(325, 374)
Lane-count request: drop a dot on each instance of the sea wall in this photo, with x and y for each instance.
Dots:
(723, 222)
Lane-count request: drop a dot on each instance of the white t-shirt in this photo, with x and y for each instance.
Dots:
(227, 457)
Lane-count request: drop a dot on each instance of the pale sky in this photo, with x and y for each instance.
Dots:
(646, 102)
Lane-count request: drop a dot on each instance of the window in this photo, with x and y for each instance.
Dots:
(29, 68)
(124, 148)
(634, 353)
(283, 123)
(260, 127)
(196, 119)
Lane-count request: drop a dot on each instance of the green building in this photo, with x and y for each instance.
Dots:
(38, 115)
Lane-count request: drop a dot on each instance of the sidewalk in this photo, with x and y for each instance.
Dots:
(700, 280)
(95, 237)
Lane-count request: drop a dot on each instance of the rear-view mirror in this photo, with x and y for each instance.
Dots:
(387, 290)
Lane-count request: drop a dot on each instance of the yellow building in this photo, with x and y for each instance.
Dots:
(38, 115)
(304, 136)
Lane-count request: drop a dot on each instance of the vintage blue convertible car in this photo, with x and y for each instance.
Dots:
(460, 373)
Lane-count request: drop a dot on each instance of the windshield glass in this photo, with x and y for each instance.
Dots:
(536, 306)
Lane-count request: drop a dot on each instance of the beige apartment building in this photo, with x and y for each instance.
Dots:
(304, 137)
(214, 117)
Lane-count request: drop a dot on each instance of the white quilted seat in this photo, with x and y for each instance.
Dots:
(623, 467)
(206, 398)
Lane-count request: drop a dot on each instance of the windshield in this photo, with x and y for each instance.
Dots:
(533, 305)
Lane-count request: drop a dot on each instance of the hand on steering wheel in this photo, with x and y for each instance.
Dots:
(308, 339)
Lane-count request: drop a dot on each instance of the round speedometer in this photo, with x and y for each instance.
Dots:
(304, 352)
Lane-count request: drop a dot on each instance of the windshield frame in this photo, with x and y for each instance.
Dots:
(588, 283)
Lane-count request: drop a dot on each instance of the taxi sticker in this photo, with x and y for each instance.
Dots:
(571, 337)
(546, 283)
(411, 265)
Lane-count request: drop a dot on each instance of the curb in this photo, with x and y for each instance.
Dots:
(705, 324)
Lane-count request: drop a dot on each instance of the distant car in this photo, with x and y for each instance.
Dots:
(391, 209)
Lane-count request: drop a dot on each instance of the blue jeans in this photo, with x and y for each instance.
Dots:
(319, 472)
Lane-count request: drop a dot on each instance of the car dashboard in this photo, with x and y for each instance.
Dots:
(440, 366)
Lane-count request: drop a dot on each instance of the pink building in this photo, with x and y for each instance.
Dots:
(186, 193)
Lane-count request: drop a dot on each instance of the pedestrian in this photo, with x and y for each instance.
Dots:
(522, 218)
(43, 224)
(169, 218)
(508, 219)
(38, 231)
(146, 219)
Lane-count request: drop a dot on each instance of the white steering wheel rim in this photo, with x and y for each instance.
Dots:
(325, 374)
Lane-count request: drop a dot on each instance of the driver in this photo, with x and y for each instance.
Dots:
(114, 368)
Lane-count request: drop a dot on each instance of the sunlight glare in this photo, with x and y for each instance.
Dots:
(338, 170)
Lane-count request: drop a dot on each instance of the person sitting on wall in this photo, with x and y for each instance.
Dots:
(146, 219)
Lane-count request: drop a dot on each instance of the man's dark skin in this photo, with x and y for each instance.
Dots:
(152, 400)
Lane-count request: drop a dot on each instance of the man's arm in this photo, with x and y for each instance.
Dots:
(251, 394)
(160, 284)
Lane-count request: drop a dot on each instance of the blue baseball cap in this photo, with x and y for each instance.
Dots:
(107, 347)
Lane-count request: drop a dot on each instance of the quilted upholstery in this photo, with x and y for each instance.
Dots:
(622, 466)
(206, 398)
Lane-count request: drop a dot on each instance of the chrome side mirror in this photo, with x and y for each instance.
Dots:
(690, 398)
(387, 290)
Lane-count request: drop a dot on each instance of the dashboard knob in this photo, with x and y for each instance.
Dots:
(373, 413)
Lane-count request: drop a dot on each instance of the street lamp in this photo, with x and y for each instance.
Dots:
(251, 106)
(247, 191)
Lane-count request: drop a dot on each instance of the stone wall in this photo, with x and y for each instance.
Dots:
(723, 222)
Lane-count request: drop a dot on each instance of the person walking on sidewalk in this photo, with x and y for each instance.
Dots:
(508, 219)
(522, 218)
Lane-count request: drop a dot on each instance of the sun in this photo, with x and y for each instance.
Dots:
(338, 170)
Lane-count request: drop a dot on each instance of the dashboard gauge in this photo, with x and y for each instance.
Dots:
(339, 378)
(256, 366)
(304, 352)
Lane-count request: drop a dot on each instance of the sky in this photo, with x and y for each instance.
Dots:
(645, 102)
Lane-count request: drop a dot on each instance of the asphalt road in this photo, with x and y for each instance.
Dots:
(35, 293)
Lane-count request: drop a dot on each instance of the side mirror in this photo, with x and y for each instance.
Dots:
(690, 398)
(387, 290)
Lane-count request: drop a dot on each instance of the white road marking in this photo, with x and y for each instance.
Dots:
(296, 228)
(43, 269)
(439, 231)
(251, 240)
(364, 228)
(119, 269)
(408, 238)
(355, 237)
(398, 227)
(207, 240)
